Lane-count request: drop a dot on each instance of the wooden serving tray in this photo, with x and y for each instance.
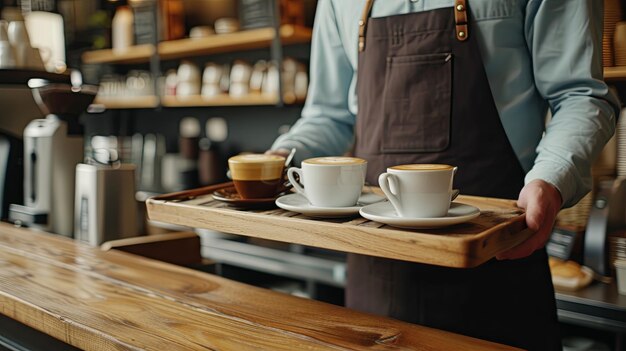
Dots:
(500, 226)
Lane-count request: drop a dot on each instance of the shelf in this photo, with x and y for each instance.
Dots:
(220, 100)
(22, 76)
(138, 102)
(245, 40)
(617, 73)
(273, 261)
(111, 103)
(134, 54)
(219, 43)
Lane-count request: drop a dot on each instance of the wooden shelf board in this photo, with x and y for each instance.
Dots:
(244, 40)
(135, 54)
(111, 103)
(220, 100)
(215, 44)
(616, 73)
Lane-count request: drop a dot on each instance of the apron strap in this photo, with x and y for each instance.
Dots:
(460, 20)
(363, 23)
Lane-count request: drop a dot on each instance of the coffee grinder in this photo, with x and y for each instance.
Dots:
(607, 214)
(53, 146)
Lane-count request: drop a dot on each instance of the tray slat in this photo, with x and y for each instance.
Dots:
(500, 226)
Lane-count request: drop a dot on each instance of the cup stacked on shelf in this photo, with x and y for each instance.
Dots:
(619, 44)
(16, 50)
(620, 134)
(189, 79)
(226, 25)
(7, 54)
(612, 15)
(211, 77)
(617, 248)
(258, 75)
(295, 80)
(240, 79)
(135, 84)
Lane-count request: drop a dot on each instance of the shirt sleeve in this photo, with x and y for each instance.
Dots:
(326, 125)
(565, 38)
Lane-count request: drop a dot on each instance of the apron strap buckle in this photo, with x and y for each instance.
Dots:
(460, 19)
(363, 23)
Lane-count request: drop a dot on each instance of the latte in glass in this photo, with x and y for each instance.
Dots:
(257, 175)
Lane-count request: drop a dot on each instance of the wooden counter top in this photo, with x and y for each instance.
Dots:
(99, 300)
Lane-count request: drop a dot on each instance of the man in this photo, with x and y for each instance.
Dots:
(466, 83)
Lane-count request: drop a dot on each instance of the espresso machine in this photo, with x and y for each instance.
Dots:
(53, 146)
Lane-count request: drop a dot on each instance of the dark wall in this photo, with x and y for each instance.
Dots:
(250, 128)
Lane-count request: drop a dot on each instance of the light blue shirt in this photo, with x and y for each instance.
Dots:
(538, 54)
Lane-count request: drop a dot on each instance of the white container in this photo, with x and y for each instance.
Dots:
(18, 33)
(7, 55)
(122, 32)
(188, 72)
(188, 89)
(620, 266)
(212, 74)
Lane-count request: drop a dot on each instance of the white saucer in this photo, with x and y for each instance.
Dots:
(298, 203)
(385, 213)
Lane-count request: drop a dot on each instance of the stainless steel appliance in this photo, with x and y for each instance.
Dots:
(105, 206)
(607, 214)
(11, 173)
(53, 146)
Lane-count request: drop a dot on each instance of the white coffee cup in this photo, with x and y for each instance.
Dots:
(17, 33)
(419, 190)
(4, 30)
(212, 74)
(330, 181)
(188, 89)
(210, 90)
(188, 72)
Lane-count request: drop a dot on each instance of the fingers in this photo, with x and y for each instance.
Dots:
(542, 202)
(279, 152)
(535, 217)
(535, 242)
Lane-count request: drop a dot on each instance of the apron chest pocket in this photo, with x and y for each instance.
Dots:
(417, 103)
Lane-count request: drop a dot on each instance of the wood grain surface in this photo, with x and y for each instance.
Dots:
(500, 226)
(98, 300)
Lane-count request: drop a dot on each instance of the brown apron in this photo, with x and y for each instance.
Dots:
(437, 107)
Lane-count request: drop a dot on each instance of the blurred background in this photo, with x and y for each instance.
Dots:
(153, 96)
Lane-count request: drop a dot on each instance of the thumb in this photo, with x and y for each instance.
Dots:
(535, 215)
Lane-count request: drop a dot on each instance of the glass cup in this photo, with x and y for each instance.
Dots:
(257, 176)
